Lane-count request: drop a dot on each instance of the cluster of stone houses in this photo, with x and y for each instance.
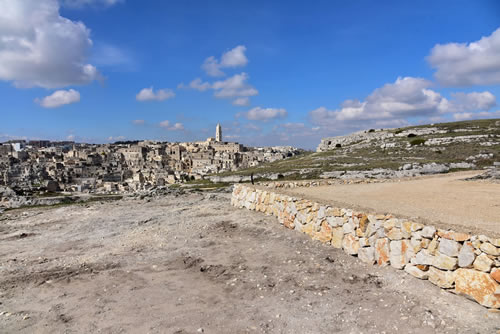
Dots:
(123, 166)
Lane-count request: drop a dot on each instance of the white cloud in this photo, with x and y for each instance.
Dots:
(467, 64)
(82, 3)
(242, 101)
(196, 84)
(470, 115)
(38, 47)
(59, 98)
(264, 114)
(211, 67)
(230, 59)
(118, 138)
(138, 122)
(235, 57)
(393, 104)
(148, 94)
(233, 87)
(70, 137)
(175, 127)
(474, 101)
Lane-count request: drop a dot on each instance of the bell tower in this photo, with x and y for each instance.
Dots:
(218, 133)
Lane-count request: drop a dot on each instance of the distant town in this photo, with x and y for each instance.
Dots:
(51, 166)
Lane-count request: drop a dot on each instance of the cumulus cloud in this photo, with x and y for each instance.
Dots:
(138, 122)
(196, 84)
(469, 115)
(234, 87)
(172, 127)
(82, 3)
(230, 59)
(59, 98)
(264, 114)
(39, 47)
(393, 104)
(242, 101)
(467, 64)
(148, 94)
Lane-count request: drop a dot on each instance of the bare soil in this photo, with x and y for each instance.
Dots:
(192, 264)
(444, 200)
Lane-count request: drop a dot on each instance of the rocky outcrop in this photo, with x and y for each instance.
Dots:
(465, 264)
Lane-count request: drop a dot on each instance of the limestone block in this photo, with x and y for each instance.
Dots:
(325, 234)
(400, 253)
(350, 244)
(489, 249)
(449, 247)
(395, 234)
(442, 278)
(367, 255)
(483, 263)
(423, 257)
(495, 274)
(406, 229)
(363, 223)
(348, 228)
(478, 286)
(466, 255)
(416, 272)
(495, 242)
(382, 251)
(445, 262)
(454, 235)
(337, 236)
(428, 232)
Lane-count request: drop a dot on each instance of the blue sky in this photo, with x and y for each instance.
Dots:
(271, 72)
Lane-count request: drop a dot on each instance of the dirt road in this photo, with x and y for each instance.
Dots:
(444, 200)
(194, 264)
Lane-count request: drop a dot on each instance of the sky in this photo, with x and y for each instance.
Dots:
(271, 72)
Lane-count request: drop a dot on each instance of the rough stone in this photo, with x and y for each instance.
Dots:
(454, 235)
(367, 255)
(483, 263)
(495, 274)
(325, 234)
(337, 236)
(442, 278)
(363, 223)
(489, 249)
(428, 232)
(466, 255)
(350, 244)
(445, 262)
(416, 272)
(423, 257)
(395, 234)
(478, 286)
(400, 254)
(449, 247)
(382, 251)
(348, 228)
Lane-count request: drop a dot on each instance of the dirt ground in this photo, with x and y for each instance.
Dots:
(194, 264)
(444, 200)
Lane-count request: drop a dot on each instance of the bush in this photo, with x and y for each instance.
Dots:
(416, 142)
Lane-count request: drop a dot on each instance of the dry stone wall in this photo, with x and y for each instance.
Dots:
(465, 264)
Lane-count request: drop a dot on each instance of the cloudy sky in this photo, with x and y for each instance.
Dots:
(271, 72)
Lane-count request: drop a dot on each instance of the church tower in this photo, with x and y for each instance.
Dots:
(218, 133)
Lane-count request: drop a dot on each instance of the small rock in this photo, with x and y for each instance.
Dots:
(483, 263)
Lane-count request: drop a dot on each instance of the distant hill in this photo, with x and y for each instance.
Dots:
(409, 151)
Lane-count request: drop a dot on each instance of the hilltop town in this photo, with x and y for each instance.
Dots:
(124, 166)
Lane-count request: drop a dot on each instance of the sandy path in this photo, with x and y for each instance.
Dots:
(443, 200)
(193, 264)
